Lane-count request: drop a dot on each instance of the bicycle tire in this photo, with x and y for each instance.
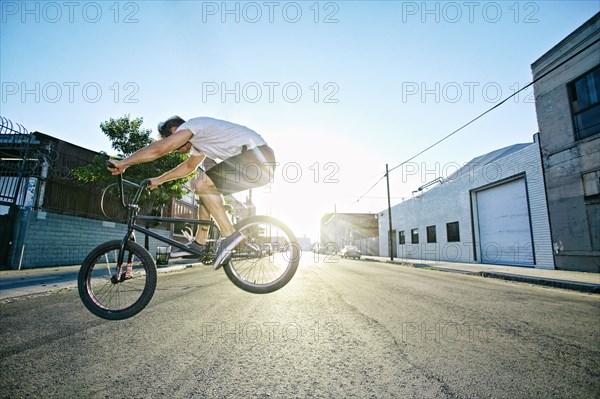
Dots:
(271, 268)
(106, 291)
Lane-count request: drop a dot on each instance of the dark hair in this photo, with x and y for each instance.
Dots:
(164, 128)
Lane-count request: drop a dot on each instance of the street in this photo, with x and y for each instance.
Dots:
(341, 328)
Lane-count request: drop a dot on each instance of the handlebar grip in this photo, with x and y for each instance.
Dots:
(110, 165)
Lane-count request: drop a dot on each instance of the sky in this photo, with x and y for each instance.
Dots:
(339, 89)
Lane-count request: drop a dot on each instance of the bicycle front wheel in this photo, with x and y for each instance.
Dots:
(112, 291)
(268, 258)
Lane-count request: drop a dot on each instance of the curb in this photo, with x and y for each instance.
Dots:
(589, 288)
(48, 284)
(548, 282)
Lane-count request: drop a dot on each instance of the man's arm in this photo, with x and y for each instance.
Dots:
(181, 170)
(153, 151)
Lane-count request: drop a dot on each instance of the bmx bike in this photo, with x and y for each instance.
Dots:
(118, 278)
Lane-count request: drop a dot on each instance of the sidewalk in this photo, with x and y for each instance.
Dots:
(578, 281)
(16, 283)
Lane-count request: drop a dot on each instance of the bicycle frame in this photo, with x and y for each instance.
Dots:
(133, 217)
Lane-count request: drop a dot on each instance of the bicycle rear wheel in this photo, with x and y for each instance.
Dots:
(112, 291)
(267, 260)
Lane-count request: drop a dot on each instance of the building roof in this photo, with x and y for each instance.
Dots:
(473, 165)
(488, 158)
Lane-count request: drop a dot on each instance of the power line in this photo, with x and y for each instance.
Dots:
(371, 188)
(479, 116)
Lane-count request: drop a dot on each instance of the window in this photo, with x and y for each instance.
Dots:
(452, 232)
(401, 237)
(591, 185)
(414, 236)
(431, 237)
(584, 95)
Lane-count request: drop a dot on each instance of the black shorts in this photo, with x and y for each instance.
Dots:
(249, 169)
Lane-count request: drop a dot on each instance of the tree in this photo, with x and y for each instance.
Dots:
(127, 136)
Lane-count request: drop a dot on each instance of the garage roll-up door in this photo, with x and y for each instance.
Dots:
(504, 224)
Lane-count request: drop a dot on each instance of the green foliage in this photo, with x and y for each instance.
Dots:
(127, 136)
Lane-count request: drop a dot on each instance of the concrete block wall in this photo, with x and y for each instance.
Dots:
(53, 239)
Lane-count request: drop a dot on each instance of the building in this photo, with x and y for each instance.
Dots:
(492, 210)
(47, 216)
(567, 98)
(304, 243)
(358, 229)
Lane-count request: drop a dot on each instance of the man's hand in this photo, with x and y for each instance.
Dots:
(154, 183)
(118, 167)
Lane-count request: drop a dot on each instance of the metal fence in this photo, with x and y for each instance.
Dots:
(16, 163)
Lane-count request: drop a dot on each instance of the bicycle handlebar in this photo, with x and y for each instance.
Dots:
(140, 187)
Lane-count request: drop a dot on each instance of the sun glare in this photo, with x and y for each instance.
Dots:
(316, 173)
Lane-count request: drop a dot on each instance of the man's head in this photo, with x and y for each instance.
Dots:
(164, 128)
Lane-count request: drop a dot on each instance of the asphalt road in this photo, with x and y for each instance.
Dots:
(346, 329)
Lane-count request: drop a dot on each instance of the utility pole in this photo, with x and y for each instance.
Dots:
(390, 238)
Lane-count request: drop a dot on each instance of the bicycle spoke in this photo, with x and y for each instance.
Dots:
(122, 294)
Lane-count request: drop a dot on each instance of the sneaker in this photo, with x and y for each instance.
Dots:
(193, 249)
(226, 247)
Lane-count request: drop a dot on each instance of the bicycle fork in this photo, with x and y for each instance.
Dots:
(122, 275)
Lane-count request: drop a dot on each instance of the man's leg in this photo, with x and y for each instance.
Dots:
(202, 231)
(261, 158)
(212, 202)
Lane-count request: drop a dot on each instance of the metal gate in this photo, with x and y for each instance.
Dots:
(505, 224)
(15, 168)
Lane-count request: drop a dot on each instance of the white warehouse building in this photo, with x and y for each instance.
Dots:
(493, 210)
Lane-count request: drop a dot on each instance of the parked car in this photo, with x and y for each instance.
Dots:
(350, 251)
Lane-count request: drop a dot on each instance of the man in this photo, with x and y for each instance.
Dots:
(246, 162)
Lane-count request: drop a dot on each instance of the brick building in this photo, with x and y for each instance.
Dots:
(493, 210)
(567, 98)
